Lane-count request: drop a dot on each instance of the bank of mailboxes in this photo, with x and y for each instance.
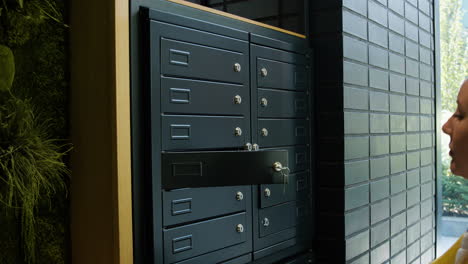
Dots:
(235, 160)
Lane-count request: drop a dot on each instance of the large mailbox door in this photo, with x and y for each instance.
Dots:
(227, 134)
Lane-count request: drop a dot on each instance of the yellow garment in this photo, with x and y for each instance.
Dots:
(449, 256)
(462, 253)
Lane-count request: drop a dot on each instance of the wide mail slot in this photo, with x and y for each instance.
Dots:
(222, 168)
(189, 204)
(195, 239)
(183, 132)
(184, 59)
(203, 97)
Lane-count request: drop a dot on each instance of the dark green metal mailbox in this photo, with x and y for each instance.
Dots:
(221, 121)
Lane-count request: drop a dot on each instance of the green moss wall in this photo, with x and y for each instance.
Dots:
(34, 205)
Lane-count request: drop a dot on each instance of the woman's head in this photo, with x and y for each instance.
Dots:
(457, 128)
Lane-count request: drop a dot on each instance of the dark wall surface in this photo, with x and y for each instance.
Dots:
(375, 90)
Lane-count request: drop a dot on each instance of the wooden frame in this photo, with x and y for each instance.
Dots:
(101, 207)
(221, 13)
(101, 186)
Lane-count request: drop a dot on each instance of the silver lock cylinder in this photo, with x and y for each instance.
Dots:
(266, 222)
(237, 99)
(238, 131)
(263, 102)
(237, 67)
(239, 196)
(264, 132)
(277, 166)
(264, 72)
(255, 147)
(240, 228)
(267, 192)
(248, 146)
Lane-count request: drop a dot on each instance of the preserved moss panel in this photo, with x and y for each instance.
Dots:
(33, 132)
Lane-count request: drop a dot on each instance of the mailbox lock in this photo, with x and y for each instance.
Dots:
(248, 146)
(238, 131)
(263, 102)
(237, 67)
(240, 228)
(277, 166)
(264, 72)
(264, 132)
(267, 192)
(239, 196)
(255, 147)
(266, 222)
(237, 99)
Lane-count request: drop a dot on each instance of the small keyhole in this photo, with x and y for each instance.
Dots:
(237, 67)
(237, 99)
(239, 196)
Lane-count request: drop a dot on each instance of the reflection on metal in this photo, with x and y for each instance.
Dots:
(238, 132)
(237, 67)
(237, 99)
(277, 166)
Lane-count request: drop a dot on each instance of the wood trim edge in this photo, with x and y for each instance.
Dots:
(221, 13)
(122, 135)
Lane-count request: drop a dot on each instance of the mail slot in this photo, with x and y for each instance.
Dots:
(296, 189)
(190, 97)
(282, 104)
(200, 238)
(190, 132)
(189, 60)
(283, 132)
(222, 168)
(280, 75)
(189, 204)
(277, 218)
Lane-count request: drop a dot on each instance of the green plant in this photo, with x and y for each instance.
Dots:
(30, 164)
(455, 192)
(453, 51)
(455, 198)
(33, 132)
(7, 68)
(454, 69)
